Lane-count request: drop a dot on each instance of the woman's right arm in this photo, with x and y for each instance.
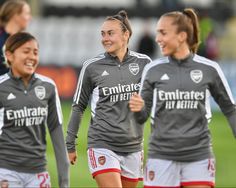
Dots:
(141, 103)
(80, 102)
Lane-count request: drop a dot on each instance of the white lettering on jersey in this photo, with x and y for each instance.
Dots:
(121, 92)
(181, 99)
(27, 116)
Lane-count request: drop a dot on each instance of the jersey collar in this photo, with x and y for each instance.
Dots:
(19, 78)
(127, 55)
(181, 61)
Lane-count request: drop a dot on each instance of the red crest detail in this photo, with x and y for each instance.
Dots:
(151, 175)
(102, 160)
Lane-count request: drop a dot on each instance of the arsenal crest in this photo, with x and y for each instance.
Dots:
(101, 160)
(134, 68)
(151, 175)
(40, 92)
(196, 75)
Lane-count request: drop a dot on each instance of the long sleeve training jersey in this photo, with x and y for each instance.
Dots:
(176, 93)
(110, 84)
(24, 113)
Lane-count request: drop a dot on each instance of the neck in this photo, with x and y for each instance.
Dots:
(25, 78)
(121, 54)
(182, 54)
(12, 28)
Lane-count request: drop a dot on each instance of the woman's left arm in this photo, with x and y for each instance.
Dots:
(54, 123)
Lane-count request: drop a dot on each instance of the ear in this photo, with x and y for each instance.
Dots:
(9, 56)
(127, 35)
(182, 36)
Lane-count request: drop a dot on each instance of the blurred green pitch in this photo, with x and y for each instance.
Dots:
(224, 145)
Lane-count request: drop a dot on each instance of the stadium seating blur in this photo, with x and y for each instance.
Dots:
(70, 41)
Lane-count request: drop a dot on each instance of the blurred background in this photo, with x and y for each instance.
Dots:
(68, 32)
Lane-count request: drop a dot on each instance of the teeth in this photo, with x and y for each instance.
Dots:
(161, 46)
(29, 64)
(107, 44)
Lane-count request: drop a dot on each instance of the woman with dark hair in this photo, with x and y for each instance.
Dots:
(29, 102)
(114, 138)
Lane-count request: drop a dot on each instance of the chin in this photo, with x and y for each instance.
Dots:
(29, 72)
(110, 51)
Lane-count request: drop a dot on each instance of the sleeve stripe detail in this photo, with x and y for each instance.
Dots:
(154, 102)
(139, 55)
(80, 81)
(1, 119)
(45, 79)
(4, 77)
(151, 65)
(58, 103)
(213, 64)
(208, 106)
(94, 100)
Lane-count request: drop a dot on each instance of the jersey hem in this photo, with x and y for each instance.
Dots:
(24, 170)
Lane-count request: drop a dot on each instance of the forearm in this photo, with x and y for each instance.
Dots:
(141, 116)
(73, 127)
(61, 157)
(232, 122)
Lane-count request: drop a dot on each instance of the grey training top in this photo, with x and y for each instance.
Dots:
(24, 112)
(110, 84)
(177, 92)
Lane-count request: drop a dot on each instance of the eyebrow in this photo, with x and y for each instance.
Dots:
(29, 48)
(103, 31)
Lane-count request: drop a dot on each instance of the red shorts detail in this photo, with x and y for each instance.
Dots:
(105, 171)
(145, 186)
(208, 183)
(131, 179)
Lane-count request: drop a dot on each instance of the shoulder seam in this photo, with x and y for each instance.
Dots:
(203, 60)
(158, 62)
(85, 65)
(139, 55)
(89, 61)
(45, 78)
(3, 78)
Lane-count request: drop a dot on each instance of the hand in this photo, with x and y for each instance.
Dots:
(136, 103)
(72, 157)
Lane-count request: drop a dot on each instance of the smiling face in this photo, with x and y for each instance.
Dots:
(114, 40)
(171, 42)
(24, 60)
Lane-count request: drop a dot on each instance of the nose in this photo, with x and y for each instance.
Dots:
(104, 37)
(158, 38)
(33, 56)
